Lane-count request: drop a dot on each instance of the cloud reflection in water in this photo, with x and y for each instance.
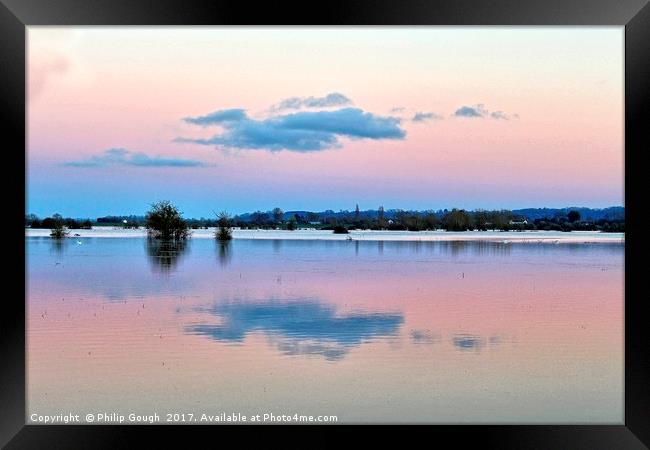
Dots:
(298, 327)
(465, 342)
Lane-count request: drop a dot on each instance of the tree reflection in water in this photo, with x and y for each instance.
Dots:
(164, 255)
(58, 245)
(224, 252)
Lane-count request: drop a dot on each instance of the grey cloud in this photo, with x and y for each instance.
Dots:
(124, 157)
(425, 116)
(303, 131)
(332, 99)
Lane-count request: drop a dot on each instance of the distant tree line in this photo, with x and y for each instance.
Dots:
(121, 220)
(449, 220)
(33, 221)
(611, 220)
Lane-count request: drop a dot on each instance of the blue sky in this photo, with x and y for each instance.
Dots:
(241, 119)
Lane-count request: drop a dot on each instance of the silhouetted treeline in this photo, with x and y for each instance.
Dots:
(128, 221)
(449, 220)
(555, 219)
(53, 222)
(614, 213)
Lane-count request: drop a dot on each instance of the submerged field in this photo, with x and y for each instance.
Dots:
(367, 235)
(388, 327)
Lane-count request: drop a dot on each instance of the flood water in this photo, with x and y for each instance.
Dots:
(369, 331)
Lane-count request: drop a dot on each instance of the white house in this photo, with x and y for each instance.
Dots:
(515, 222)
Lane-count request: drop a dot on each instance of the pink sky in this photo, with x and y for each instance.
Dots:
(97, 88)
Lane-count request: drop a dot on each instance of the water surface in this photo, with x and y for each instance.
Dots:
(370, 331)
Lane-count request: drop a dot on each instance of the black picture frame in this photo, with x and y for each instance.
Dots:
(634, 15)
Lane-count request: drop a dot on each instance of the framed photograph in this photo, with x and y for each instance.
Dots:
(392, 213)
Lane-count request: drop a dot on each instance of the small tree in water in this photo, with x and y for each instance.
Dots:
(224, 227)
(164, 221)
(58, 230)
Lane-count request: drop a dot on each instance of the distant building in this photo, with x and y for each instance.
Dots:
(314, 223)
(516, 222)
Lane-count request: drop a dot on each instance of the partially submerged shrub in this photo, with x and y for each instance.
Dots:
(224, 227)
(59, 233)
(164, 221)
(340, 229)
(58, 227)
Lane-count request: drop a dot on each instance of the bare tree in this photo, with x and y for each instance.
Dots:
(165, 221)
(224, 226)
(58, 228)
